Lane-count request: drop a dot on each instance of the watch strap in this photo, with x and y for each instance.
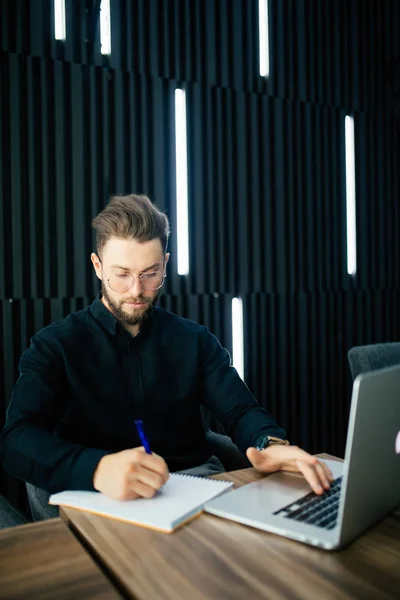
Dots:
(269, 440)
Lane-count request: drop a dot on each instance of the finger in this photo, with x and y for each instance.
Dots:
(154, 462)
(327, 471)
(311, 476)
(128, 495)
(141, 489)
(323, 476)
(292, 453)
(324, 472)
(299, 454)
(149, 478)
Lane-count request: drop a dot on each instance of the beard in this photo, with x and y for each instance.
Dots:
(138, 316)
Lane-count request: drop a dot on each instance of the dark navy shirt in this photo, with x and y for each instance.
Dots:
(84, 380)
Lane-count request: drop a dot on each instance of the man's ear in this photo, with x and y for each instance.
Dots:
(166, 258)
(96, 264)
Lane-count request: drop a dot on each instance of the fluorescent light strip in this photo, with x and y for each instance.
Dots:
(182, 219)
(237, 336)
(263, 26)
(105, 27)
(350, 197)
(59, 19)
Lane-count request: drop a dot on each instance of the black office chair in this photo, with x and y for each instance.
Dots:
(373, 356)
(221, 446)
(39, 504)
(10, 516)
(228, 453)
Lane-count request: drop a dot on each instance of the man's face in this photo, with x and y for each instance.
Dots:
(120, 259)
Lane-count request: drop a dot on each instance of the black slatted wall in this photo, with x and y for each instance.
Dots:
(266, 178)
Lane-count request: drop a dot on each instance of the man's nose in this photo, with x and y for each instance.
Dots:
(136, 287)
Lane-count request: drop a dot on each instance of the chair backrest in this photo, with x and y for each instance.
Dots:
(226, 451)
(10, 516)
(39, 504)
(373, 356)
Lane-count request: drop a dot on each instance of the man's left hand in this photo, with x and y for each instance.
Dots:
(278, 457)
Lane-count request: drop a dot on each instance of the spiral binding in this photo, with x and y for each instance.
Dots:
(209, 479)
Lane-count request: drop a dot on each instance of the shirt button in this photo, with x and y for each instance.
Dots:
(138, 381)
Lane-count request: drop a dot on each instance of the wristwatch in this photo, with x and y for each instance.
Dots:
(268, 440)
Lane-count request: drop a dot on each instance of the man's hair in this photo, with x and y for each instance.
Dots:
(132, 216)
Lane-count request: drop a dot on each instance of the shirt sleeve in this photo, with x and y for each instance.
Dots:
(230, 401)
(29, 448)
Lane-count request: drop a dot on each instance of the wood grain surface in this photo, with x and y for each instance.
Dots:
(41, 561)
(213, 558)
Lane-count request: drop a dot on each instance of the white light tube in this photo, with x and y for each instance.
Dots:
(263, 26)
(182, 218)
(237, 336)
(350, 197)
(105, 27)
(59, 19)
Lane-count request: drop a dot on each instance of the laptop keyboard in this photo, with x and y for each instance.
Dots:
(321, 511)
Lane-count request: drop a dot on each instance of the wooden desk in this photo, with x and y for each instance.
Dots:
(212, 558)
(45, 561)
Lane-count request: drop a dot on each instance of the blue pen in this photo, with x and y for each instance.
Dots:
(142, 435)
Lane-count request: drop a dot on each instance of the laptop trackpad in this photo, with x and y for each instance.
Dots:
(269, 494)
(280, 489)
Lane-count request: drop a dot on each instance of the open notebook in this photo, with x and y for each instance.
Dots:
(179, 500)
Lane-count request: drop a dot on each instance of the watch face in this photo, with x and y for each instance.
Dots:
(263, 443)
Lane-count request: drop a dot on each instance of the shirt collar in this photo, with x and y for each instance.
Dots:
(110, 323)
(103, 315)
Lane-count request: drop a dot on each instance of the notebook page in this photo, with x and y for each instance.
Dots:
(181, 498)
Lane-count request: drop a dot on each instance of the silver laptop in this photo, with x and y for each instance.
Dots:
(368, 488)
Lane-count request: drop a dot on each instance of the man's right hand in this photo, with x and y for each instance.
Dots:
(130, 474)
